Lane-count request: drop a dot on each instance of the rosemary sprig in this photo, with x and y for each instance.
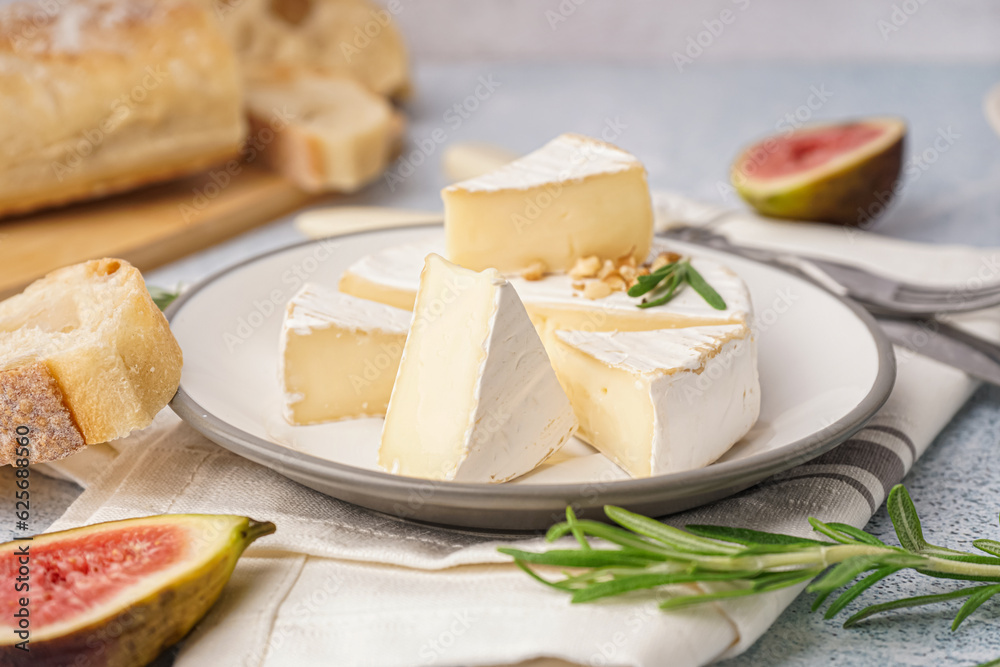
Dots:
(647, 554)
(668, 279)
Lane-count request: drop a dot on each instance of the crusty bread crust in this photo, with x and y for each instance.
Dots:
(32, 406)
(355, 38)
(85, 357)
(101, 96)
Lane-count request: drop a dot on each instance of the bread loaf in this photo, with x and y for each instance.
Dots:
(85, 357)
(99, 96)
(356, 38)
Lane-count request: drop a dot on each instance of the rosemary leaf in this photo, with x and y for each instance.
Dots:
(859, 536)
(750, 537)
(648, 283)
(974, 602)
(672, 282)
(706, 291)
(571, 558)
(989, 546)
(857, 589)
(905, 603)
(674, 537)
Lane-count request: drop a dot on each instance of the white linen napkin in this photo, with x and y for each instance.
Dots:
(338, 584)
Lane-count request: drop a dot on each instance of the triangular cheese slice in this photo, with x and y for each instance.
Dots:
(476, 398)
(573, 197)
(658, 402)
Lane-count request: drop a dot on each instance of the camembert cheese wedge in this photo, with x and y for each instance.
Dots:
(476, 398)
(659, 402)
(572, 198)
(339, 355)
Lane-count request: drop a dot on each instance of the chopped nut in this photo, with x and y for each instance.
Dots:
(663, 259)
(596, 289)
(535, 271)
(642, 271)
(586, 267)
(627, 272)
(607, 269)
(616, 283)
(578, 286)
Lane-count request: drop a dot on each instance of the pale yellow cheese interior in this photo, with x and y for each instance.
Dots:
(608, 215)
(434, 396)
(366, 289)
(339, 373)
(613, 406)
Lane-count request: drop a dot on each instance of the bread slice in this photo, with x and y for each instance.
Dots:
(355, 38)
(85, 357)
(324, 132)
(101, 96)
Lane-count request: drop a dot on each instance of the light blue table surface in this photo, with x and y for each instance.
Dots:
(686, 128)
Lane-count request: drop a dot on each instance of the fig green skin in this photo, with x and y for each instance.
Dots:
(136, 635)
(853, 195)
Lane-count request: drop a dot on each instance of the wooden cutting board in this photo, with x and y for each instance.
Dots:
(147, 227)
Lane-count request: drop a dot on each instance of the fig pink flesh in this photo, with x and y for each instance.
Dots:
(70, 577)
(807, 149)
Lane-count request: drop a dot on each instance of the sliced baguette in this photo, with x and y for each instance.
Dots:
(324, 132)
(85, 357)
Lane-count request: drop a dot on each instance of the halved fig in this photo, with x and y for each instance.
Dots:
(845, 173)
(115, 594)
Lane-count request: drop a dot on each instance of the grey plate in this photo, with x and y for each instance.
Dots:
(826, 368)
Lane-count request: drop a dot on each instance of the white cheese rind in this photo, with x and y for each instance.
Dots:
(700, 386)
(568, 157)
(338, 355)
(470, 331)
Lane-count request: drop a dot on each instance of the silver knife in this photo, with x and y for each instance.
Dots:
(947, 344)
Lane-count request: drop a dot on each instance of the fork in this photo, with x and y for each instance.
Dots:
(879, 294)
